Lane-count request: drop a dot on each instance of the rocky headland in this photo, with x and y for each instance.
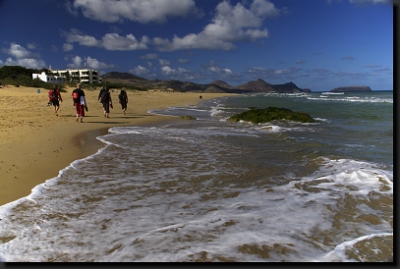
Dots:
(216, 86)
(352, 89)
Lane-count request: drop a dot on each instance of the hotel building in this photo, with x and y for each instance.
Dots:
(78, 75)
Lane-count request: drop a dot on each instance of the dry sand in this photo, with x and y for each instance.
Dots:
(35, 144)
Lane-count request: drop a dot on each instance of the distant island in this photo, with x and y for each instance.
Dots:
(352, 89)
(218, 86)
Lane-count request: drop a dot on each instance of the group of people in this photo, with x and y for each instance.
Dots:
(79, 101)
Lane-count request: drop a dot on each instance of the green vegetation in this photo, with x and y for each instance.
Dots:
(15, 72)
(21, 76)
(256, 115)
(188, 118)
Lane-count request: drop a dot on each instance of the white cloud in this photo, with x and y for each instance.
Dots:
(166, 70)
(214, 69)
(27, 63)
(371, 66)
(23, 57)
(371, 2)
(95, 64)
(117, 42)
(140, 71)
(349, 58)
(18, 51)
(88, 62)
(275, 74)
(76, 62)
(68, 47)
(183, 61)
(68, 6)
(264, 8)
(111, 41)
(143, 11)
(163, 62)
(178, 74)
(182, 70)
(85, 40)
(150, 56)
(31, 46)
(230, 24)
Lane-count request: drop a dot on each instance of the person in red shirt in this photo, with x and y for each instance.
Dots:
(79, 101)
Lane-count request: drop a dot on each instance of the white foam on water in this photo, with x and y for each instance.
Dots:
(152, 205)
(356, 99)
(339, 253)
(176, 194)
(332, 93)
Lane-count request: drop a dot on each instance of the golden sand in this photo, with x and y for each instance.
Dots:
(35, 144)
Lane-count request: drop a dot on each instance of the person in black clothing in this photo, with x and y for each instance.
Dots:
(101, 91)
(79, 101)
(123, 100)
(106, 101)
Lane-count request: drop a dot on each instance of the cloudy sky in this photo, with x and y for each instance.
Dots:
(317, 44)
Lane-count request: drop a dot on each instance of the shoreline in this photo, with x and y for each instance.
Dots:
(35, 144)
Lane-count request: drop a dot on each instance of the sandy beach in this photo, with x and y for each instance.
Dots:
(35, 144)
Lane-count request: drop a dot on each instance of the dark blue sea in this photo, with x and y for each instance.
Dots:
(214, 190)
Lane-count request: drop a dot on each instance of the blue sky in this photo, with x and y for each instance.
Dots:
(317, 44)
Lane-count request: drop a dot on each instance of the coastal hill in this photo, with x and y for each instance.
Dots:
(217, 86)
(123, 78)
(261, 86)
(352, 89)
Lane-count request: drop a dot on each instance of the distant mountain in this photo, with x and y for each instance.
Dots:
(352, 89)
(289, 87)
(125, 78)
(117, 75)
(216, 86)
(261, 86)
(258, 85)
(221, 84)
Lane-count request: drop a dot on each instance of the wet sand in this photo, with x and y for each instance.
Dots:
(35, 144)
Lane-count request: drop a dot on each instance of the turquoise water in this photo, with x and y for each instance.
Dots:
(212, 190)
(360, 124)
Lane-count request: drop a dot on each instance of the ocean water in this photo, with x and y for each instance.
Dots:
(213, 190)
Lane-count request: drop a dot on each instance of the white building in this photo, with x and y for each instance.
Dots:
(49, 78)
(79, 75)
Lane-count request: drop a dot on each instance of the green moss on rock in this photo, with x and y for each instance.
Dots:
(256, 115)
(188, 118)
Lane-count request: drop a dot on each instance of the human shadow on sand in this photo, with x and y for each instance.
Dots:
(106, 122)
(74, 116)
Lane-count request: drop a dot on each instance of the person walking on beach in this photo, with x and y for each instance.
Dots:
(106, 101)
(55, 98)
(123, 100)
(79, 101)
(100, 93)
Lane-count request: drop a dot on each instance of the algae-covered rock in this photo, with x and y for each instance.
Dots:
(256, 115)
(188, 118)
